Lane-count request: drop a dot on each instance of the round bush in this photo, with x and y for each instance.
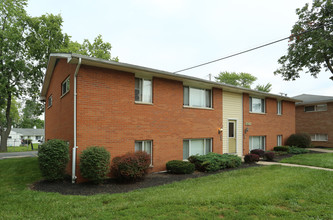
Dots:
(258, 152)
(302, 140)
(251, 158)
(180, 167)
(131, 166)
(95, 164)
(53, 157)
(269, 156)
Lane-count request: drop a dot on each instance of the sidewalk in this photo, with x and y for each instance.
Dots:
(292, 165)
(320, 150)
(18, 154)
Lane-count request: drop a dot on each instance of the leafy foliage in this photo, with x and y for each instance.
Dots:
(95, 164)
(298, 150)
(251, 158)
(312, 50)
(53, 157)
(131, 166)
(237, 79)
(299, 140)
(212, 162)
(264, 88)
(281, 148)
(258, 152)
(269, 156)
(180, 167)
(31, 111)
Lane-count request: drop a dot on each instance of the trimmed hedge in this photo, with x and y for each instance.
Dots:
(269, 156)
(95, 164)
(251, 158)
(53, 157)
(180, 167)
(131, 166)
(282, 148)
(258, 152)
(212, 162)
(297, 150)
(302, 140)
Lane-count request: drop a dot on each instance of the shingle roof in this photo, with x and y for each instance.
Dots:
(29, 131)
(312, 99)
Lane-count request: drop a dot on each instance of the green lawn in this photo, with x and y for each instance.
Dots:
(22, 148)
(270, 192)
(317, 160)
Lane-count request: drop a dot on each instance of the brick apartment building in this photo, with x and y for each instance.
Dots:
(124, 108)
(315, 116)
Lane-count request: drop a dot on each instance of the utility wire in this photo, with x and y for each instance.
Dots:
(246, 51)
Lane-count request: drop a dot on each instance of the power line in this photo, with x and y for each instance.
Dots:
(249, 50)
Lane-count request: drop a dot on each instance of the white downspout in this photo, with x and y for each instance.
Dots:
(75, 145)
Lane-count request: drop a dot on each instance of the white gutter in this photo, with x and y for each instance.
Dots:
(74, 177)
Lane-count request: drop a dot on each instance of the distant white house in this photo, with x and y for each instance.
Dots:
(18, 134)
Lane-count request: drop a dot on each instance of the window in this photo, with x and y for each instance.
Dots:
(279, 108)
(65, 87)
(315, 108)
(279, 140)
(9, 137)
(196, 146)
(143, 90)
(49, 101)
(195, 97)
(38, 138)
(257, 142)
(257, 105)
(145, 146)
(319, 137)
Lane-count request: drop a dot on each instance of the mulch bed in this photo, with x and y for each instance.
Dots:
(111, 186)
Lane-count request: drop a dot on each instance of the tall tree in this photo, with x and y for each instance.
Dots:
(31, 111)
(98, 48)
(264, 88)
(312, 50)
(237, 79)
(24, 48)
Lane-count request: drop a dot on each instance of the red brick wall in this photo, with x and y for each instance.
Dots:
(109, 117)
(316, 123)
(269, 124)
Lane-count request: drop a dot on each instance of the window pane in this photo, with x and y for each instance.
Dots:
(256, 105)
(279, 107)
(208, 98)
(208, 145)
(231, 129)
(186, 152)
(197, 147)
(250, 104)
(322, 107)
(310, 108)
(138, 146)
(197, 97)
(262, 105)
(313, 137)
(186, 96)
(138, 88)
(257, 142)
(148, 147)
(147, 96)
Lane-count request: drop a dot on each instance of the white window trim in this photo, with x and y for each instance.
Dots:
(315, 108)
(252, 142)
(144, 146)
(198, 107)
(69, 87)
(151, 91)
(250, 102)
(204, 140)
(317, 137)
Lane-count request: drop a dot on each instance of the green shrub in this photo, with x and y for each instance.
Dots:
(212, 162)
(282, 148)
(95, 164)
(131, 166)
(297, 150)
(258, 152)
(269, 156)
(53, 157)
(180, 167)
(251, 158)
(302, 140)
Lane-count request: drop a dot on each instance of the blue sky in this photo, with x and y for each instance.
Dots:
(172, 35)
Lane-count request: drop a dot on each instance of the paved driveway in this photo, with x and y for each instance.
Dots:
(18, 154)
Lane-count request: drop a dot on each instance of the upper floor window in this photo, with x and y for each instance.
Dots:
(257, 105)
(146, 146)
(195, 97)
(143, 90)
(315, 108)
(279, 107)
(65, 87)
(49, 101)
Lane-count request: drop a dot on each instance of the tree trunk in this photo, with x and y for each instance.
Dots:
(4, 136)
(5, 130)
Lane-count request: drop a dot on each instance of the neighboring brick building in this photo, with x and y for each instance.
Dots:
(124, 108)
(315, 116)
